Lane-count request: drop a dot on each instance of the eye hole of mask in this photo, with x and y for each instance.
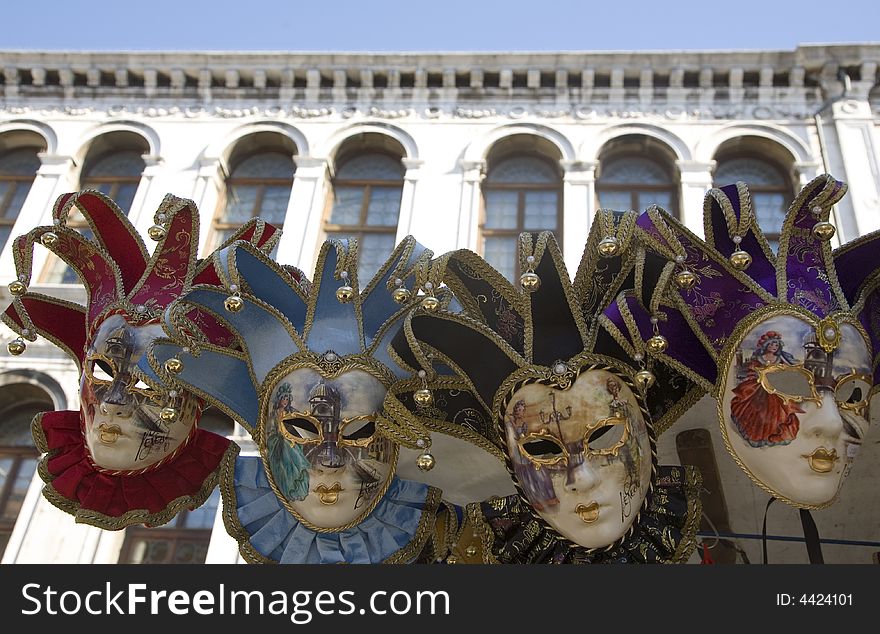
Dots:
(359, 429)
(791, 383)
(542, 448)
(102, 371)
(301, 428)
(853, 391)
(607, 436)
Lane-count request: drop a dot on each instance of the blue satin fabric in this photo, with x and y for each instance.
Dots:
(276, 534)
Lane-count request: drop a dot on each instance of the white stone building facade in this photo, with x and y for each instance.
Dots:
(461, 150)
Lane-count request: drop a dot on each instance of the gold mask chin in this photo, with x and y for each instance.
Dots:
(582, 456)
(320, 448)
(124, 426)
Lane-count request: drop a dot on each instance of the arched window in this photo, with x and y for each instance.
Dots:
(769, 188)
(19, 403)
(366, 205)
(635, 182)
(259, 184)
(115, 173)
(17, 170)
(522, 192)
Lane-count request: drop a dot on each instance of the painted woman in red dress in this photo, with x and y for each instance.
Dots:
(764, 419)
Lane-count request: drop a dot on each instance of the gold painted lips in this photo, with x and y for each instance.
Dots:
(822, 460)
(109, 434)
(329, 496)
(588, 513)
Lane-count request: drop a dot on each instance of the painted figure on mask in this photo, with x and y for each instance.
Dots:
(133, 453)
(785, 341)
(309, 385)
(563, 404)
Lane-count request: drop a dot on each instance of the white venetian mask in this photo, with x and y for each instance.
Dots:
(582, 455)
(123, 426)
(795, 405)
(320, 448)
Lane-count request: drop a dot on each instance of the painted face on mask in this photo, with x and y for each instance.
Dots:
(320, 447)
(582, 455)
(124, 428)
(795, 406)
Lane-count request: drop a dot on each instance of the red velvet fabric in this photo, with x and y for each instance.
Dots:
(114, 495)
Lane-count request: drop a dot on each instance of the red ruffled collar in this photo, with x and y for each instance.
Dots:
(113, 502)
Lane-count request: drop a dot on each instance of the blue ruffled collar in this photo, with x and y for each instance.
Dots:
(267, 532)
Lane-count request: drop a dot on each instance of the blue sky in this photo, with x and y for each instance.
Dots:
(438, 25)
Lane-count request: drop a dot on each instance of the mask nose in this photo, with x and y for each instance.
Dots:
(329, 456)
(825, 421)
(580, 476)
(117, 402)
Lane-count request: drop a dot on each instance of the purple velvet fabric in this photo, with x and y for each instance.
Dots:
(719, 301)
(805, 265)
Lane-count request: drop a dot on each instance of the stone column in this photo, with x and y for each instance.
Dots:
(143, 206)
(472, 174)
(305, 213)
(407, 198)
(696, 180)
(206, 194)
(578, 202)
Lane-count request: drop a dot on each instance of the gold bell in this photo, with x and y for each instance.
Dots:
(657, 344)
(401, 295)
(49, 239)
(423, 397)
(425, 462)
(430, 303)
(344, 293)
(174, 365)
(16, 346)
(17, 288)
(530, 281)
(233, 304)
(452, 559)
(156, 232)
(644, 379)
(168, 414)
(608, 247)
(823, 231)
(471, 550)
(740, 260)
(686, 279)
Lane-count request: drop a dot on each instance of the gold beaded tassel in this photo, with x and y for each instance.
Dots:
(657, 343)
(739, 259)
(685, 279)
(234, 303)
(158, 231)
(529, 280)
(822, 230)
(423, 397)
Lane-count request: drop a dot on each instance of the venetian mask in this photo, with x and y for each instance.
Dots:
(320, 448)
(582, 455)
(795, 405)
(125, 427)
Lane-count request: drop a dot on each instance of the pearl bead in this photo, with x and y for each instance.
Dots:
(679, 258)
(422, 374)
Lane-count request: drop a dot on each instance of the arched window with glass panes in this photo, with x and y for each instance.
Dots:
(18, 167)
(367, 190)
(636, 172)
(770, 189)
(259, 184)
(521, 192)
(113, 166)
